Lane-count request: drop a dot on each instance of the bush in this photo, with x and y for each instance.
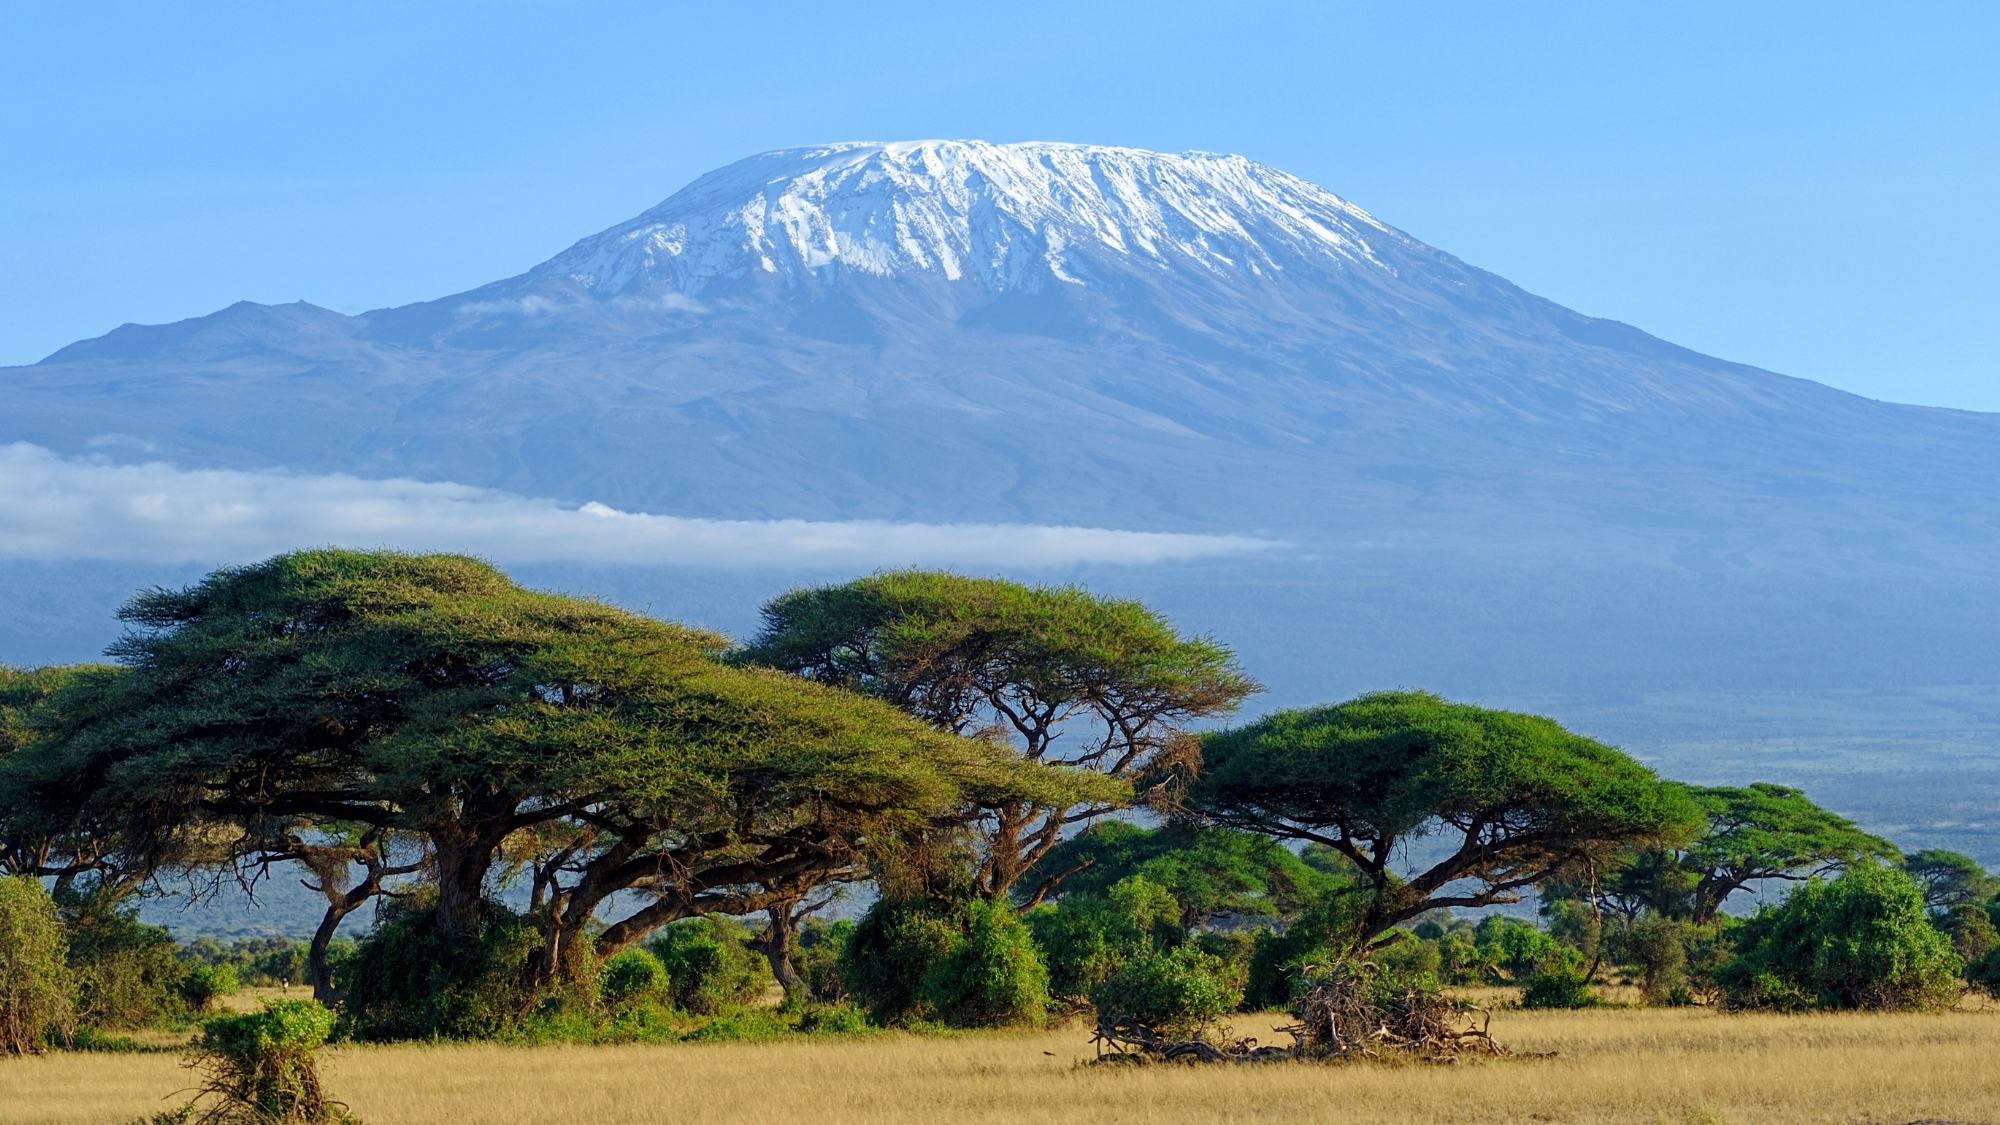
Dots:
(1517, 947)
(972, 964)
(125, 971)
(1971, 932)
(1086, 938)
(817, 958)
(1861, 941)
(36, 987)
(832, 1019)
(1559, 987)
(1176, 992)
(407, 981)
(892, 949)
(202, 985)
(260, 1068)
(995, 977)
(635, 976)
(710, 964)
(1320, 936)
(1410, 957)
(1657, 948)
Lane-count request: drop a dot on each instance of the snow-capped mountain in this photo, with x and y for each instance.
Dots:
(1009, 217)
(1054, 334)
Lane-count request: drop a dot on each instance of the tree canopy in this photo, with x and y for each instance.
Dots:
(1766, 831)
(427, 694)
(1950, 880)
(1057, 673)
(1518, 797)
(1209, 871)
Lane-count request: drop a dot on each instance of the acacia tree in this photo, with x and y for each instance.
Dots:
(1950, 880)
(58, 842)
(427, 694)
(1059, 675)
(1765, 831)
(1521, 798)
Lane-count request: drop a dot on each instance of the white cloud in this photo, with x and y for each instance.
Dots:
(57, 508)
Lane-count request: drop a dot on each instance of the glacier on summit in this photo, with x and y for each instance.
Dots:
(1008, 216)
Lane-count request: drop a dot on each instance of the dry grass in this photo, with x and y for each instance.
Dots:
(1676, 1066)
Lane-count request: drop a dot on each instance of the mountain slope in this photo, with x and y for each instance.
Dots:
(1052, 333)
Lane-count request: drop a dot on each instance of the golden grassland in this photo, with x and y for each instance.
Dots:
(1678, 1066)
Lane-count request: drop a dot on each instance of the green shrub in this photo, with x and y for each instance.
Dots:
(202, 985)
(1559, 987)
(710, 963)
(1517, 947)
(832, 1019)
(36, 986)
(992, 978)
(1864, 940)
(1462, 960)
(1657, 947)
(1086, 938)
(407, 981)
(125, 971)
(635, 976)
(260, 1067)
(817, 958)
(1176, 992)
(1321, 935)
(971, 964)
(1410, 957)
(1971, 931)
(892, 949)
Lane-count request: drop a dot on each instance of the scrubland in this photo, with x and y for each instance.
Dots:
(1616, 1065)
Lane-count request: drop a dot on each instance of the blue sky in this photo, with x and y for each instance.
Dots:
(1807, 187)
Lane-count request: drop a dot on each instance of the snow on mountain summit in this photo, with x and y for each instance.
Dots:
(1010, 216)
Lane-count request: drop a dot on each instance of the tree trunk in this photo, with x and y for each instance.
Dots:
(461, 867)
(776, 945)
(318, 973)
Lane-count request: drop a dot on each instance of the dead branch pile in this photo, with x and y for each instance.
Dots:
(1350, 1011)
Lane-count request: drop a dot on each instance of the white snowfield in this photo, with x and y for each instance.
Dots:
(1007, 216)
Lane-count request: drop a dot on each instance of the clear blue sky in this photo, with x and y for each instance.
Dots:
(1808, 187)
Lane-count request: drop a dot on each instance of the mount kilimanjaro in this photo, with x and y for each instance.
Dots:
(1475, 485)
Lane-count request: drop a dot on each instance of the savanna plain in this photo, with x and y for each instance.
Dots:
(1674, 1065)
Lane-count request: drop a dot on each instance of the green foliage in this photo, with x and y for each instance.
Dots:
(1319, 936)
(125, 971)
(833, 1019)
(258, 961)
(1766, 831)
(461, 706)
(1067, 676)
(1971, 931)
(1462, 960)
(994, 977)
(817, 958)
(964, 964)
(202, 985)
(260, 1066)
(1209, 871)
(1861, 941)
(1412, 957)
(1517, 947)
(1086, 937)
(1176, 992)
(1658, 948)
(1382, 769)
(406, 980)
(1950, 880)
(710, 963)
(635, 976)
(36, 986)
(1559, 987)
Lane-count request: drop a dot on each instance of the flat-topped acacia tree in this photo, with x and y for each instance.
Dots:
(1059, 675)
(429, 695)
(1766, 831)
(1516, 798)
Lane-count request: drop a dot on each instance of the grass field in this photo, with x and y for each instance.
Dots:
(1674, 1065)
